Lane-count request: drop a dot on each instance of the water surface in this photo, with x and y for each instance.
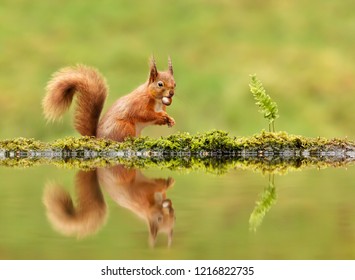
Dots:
(309, 214)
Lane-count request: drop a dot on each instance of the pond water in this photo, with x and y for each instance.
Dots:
(117, 212)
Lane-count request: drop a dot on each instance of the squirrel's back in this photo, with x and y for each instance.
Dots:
(146, 105)
(91, 90)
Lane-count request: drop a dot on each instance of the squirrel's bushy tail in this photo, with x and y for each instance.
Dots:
(87, 217)
(91, 90)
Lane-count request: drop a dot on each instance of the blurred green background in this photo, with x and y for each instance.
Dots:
(303, 52)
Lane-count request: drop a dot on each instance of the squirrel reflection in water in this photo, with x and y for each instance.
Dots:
(128, 187)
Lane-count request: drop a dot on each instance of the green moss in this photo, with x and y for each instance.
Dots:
(21, 144)
(214, 151)
(210, 141)
(86, 142)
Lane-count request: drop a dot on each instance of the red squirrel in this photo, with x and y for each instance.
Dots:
(146, 105)
(130, 188)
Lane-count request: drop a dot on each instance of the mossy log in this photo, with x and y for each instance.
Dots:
(213, 151)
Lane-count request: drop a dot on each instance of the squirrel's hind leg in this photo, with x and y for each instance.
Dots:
(119, 131)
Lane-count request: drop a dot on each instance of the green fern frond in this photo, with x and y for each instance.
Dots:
(263, 100)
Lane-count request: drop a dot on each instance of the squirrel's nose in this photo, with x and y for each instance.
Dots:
(171, 93)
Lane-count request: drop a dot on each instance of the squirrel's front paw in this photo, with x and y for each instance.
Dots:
(170, 122)
(165, 119)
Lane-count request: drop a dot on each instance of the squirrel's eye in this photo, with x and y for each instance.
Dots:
(160, 84)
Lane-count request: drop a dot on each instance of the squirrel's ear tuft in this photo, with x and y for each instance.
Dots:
(170, 237)
(170, 65)
(153, 231)
(153, 70)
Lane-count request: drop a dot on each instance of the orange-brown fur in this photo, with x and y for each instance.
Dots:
(146, 197)
(129, 188)
(126, 117)
(87, 217)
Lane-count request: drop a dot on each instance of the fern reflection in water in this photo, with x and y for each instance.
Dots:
(267, 199)
(213, 152)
